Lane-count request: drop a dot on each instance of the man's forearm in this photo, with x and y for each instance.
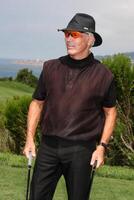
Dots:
(110, 114)
(99, 153)
(34, 113)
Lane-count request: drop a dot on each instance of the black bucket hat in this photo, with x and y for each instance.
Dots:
(83, 23)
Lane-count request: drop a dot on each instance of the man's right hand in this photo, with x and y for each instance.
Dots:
(29, 147)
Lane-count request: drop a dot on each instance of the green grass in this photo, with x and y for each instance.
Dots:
(111, 188)
(11, 88)
(109, 182)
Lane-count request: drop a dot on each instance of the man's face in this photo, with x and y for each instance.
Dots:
(78, 44)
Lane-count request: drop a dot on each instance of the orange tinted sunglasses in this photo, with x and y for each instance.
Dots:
(74, 34)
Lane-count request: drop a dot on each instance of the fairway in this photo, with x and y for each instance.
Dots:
(13, 186)
(11, 88)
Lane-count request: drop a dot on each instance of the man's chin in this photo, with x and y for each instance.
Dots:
(71, 52)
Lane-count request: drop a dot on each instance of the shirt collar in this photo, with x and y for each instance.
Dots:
(86, 62)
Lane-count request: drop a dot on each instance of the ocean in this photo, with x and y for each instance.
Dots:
(8, 68)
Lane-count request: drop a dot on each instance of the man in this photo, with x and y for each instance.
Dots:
(75, 102)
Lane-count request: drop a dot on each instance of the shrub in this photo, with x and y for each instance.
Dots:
(5, 140)
(16, 120)
(123, 142)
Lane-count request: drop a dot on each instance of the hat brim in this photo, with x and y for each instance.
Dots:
(98, 38)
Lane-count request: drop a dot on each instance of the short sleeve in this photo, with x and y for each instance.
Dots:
(40, 91)
(110, 97)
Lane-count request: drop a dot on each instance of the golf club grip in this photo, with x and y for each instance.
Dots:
(30, 158)
(94, 165)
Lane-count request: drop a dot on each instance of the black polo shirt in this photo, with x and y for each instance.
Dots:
(75, 92)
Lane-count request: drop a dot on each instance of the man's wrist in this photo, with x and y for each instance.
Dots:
(30, 137)
(104, 145)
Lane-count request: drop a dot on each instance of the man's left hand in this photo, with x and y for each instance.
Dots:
(98, 155)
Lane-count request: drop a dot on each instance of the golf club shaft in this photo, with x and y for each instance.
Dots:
(92, 176)
(28, 176)
(28, 182)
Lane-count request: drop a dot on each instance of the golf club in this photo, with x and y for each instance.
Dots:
(28, 177)
(92, 176)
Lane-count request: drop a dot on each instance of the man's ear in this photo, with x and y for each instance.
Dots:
(91, 41)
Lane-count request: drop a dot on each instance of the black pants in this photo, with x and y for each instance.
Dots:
(58, 157)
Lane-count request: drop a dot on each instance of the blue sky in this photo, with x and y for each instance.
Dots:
(28, 28)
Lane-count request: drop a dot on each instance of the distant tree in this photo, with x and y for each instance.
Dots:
(123, 70)
(26, 76)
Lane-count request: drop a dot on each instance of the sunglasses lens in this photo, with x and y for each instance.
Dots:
(66, 34)
(73, 34)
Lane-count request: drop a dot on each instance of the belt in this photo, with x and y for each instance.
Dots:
(55, 141)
